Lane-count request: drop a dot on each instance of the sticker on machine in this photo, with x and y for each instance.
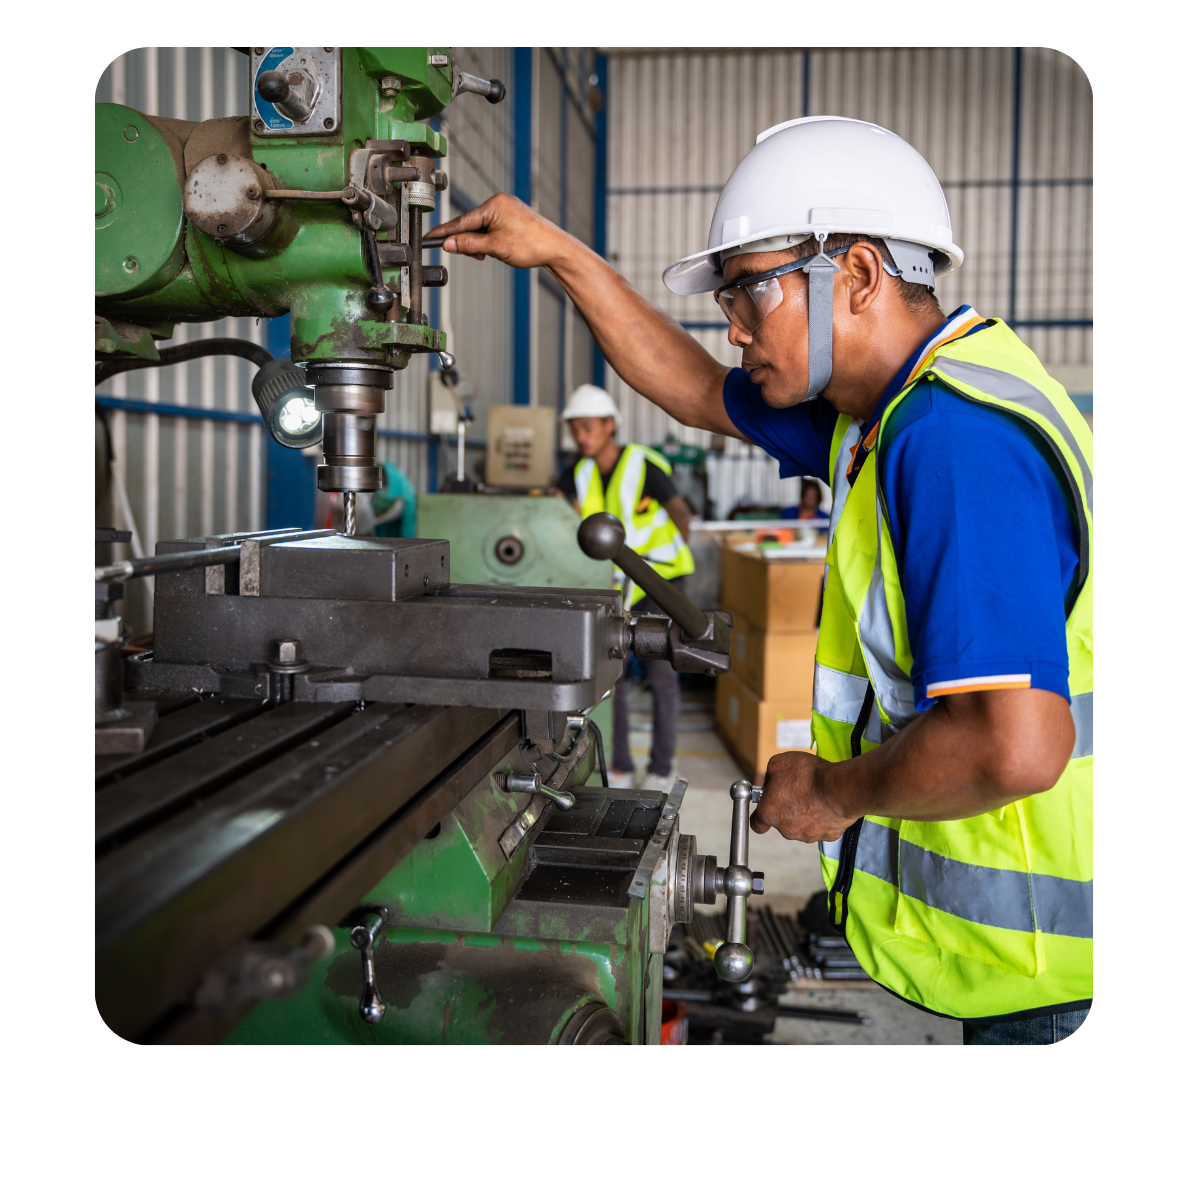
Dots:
(793, 732)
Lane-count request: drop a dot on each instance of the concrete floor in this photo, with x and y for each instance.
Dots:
(792, 872)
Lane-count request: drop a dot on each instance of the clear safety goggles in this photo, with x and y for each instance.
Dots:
(748, 301)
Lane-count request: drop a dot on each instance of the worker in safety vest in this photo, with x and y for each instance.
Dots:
(634, 484)
(951, 789)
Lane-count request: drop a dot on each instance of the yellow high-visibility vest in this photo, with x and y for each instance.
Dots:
(650, 530)
(992, 915)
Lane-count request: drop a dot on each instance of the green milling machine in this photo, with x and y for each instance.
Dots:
(353, 794)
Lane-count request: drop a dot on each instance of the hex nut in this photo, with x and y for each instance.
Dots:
(286, 651)
(757, 882)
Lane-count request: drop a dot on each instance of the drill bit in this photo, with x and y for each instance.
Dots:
(348, 513)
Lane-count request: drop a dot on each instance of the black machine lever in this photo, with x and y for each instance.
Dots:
(694, 641)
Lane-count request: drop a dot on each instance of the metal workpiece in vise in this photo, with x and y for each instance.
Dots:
(312, 205)
(690, 639)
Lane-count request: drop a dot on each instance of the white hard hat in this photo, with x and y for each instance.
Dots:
(589, 400)
(826, 174)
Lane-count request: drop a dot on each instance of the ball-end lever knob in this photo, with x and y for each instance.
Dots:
(273, 86)
(601, 536)
(733, 961)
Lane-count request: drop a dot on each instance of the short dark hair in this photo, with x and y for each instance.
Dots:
(918, 298)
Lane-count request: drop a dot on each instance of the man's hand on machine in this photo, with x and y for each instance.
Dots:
(506, 228)
(795, 802)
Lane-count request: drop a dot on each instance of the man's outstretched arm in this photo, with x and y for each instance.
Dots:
(969, 753)
(644, 345)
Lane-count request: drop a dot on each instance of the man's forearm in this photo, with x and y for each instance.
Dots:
(959, 759)
(647, 348)
(970, 753)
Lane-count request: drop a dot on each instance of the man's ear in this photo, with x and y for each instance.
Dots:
(864, 263)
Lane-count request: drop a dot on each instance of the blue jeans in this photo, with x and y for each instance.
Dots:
(1043, 1029)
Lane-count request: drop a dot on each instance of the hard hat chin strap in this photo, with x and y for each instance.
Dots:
(820, 319)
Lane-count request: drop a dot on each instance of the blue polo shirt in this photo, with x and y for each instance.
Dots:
(983, 527)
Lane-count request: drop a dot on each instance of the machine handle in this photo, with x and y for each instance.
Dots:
(371, 1006)
(734, 960)
(530, 782)
(602, 537)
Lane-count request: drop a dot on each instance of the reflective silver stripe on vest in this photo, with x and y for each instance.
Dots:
(877, 639)
(583, 476)
(1010, 899)
(630, 483)
(1082, 715)
(839, 695)
(1010, 387)
(841, 484)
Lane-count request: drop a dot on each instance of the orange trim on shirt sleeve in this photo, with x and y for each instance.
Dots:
(976, 687)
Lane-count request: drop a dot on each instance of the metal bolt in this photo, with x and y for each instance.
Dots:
(131, 132)
(222, 228)
(131, 264)
(295, 78)
(389, 85)
(328, 48)
(259, 125)
(757, 882)
(222, 158)
(259, 49)
(253, 191)
(327, 123)
(286, 651)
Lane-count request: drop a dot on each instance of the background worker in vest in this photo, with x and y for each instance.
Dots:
(951, 792)
(635, 484)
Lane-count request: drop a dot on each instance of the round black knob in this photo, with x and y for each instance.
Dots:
(273, 86)
(380, 298)
(497, 91)
(601, 536)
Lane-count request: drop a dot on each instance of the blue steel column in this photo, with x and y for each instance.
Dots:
(600, 69)
(522, 176)
(292, 477)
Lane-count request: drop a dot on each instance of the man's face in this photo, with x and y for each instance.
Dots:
(591, 434)
(776, 355)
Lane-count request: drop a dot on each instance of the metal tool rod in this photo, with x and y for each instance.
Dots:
(166, 563)
(461, 450)
(740, 832)
(603, 537)
(348, 513)
(415, 275)
(193, 559)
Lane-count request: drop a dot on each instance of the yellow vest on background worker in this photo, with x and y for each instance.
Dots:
(990, 915)
(650, 529)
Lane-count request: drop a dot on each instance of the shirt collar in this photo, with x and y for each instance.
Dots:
(957, 325)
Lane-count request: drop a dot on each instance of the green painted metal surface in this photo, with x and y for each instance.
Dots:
(138, 204)
(153, 266)
(544, 525)
(445, 987)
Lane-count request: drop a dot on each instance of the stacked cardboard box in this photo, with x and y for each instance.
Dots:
(764, 704)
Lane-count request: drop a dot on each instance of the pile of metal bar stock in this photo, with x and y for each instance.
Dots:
(786, 952)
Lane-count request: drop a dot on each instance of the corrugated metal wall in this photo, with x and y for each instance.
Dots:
(1008, 132)
(477, 303)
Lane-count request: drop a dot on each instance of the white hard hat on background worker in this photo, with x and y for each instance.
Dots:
(589, 400)
(821, 176)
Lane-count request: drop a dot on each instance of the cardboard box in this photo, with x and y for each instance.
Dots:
(521, 443)
(775, 595)
(755, 729)
(777, 666)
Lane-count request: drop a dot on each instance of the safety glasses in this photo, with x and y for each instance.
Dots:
(748, 301)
